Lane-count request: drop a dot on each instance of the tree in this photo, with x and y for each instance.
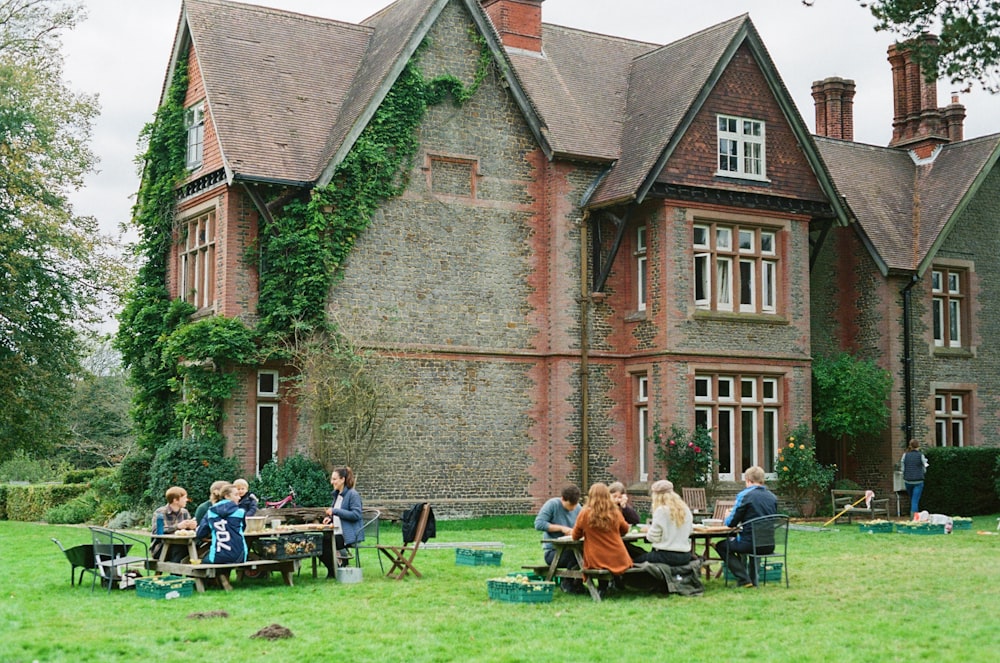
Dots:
(53, 263)
(850, 396)
(967, 50)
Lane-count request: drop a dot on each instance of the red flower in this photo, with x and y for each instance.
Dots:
(697, 450)
(690, 444)
(672, 443)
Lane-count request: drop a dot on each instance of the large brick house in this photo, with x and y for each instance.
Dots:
(609, 234)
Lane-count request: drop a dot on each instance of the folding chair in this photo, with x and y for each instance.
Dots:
(79, 557)
(111, 558)
(402, 556)
(767, 532)
(370, 527)
(696, 500)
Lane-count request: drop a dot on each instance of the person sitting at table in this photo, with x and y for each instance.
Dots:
(213, 497)
(346, 517)
(620, 497)
(247, 500)
(556, 518)
(175, 517)
(225, 523)
(670, 531)
(601, 526)
(752, 502)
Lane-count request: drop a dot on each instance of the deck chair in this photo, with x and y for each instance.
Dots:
(696, 501)
(722, 508)
(111, 556)
(370, 527)
(402, 556)
(767, 532)
(79, 557)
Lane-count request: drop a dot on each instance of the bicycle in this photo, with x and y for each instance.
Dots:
(287, 500)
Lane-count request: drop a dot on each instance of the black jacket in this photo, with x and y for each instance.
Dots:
(410, 520)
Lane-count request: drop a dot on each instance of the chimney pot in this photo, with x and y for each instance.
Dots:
(834, 101)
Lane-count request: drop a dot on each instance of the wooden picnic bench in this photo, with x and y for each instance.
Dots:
(199, 572)
(841, 499)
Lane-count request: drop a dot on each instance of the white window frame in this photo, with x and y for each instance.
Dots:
(261, 393)
(641, 275)
(197, 259)
(950, 418)
(642, 425)
(947, 306)
(194, 124)
(273, 407)
(741, 148)
(724, 274)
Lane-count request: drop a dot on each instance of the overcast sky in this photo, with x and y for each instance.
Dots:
(121, 51)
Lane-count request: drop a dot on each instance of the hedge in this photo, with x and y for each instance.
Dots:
(961, 481)
(29, 503)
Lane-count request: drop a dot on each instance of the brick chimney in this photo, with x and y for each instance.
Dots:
(518, 22)
(918, 124)
(834, 101)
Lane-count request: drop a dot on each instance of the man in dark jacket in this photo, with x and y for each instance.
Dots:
(752, 502)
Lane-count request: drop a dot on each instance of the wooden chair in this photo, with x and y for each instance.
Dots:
(696, 501)
(722, 508)
(402, 556)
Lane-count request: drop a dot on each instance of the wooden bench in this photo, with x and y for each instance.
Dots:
(590, 577)
(200, 572)
(841, 499)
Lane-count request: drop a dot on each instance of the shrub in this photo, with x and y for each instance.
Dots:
(30, 503)
(688, 456)
(22, 466)
(800, 475)
(961, 481)
(193, 463)
(84, 476)
(78, 510)
(305, 475)
(133, 475)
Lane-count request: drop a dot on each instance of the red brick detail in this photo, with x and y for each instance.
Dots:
(519, 22)
(834, 101)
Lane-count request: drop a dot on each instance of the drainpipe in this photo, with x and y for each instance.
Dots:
(584, 357)
(908, 359)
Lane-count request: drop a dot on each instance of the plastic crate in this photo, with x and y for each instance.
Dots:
(516, 591)
(289, 546)
(961, 523)
(476, 557)
(530, 575)
(765, 572)
(875, 528)
(164, 587)
(922, 529)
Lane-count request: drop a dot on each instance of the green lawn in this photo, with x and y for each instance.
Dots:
(853, 597)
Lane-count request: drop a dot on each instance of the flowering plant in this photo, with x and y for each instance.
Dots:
(688, 456)
(800, 475)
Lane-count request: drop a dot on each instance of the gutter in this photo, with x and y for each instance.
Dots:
(908, 359)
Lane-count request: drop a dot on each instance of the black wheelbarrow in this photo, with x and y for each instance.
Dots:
(82, 557)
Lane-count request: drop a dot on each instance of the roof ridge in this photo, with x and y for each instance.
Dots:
(602, 35)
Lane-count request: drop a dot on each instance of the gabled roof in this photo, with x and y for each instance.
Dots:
(904, 208)
(289, 94)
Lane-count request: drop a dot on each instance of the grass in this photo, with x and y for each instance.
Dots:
(853, 597)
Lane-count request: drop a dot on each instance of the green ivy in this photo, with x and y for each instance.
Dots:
(302, 252)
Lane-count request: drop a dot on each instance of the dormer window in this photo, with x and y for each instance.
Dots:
(741, 148)
(194, 122)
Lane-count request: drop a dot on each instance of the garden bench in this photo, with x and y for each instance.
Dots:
(200, 572)
(841, 499)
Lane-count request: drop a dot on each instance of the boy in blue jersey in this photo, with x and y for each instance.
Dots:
(752, 502)
(225, 523)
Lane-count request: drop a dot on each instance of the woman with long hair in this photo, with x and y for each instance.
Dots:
(345, 516)
(601, 526)
(671, 528)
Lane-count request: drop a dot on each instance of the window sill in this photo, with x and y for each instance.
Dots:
(737, 178)
(636, 316)
(726, 316)
(954, 353)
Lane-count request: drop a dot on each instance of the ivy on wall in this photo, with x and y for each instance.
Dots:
(302, 254)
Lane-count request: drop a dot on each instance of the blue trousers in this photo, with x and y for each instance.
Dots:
(915, 490)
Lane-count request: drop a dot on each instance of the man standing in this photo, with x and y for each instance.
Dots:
(752, 502)
(556, 518)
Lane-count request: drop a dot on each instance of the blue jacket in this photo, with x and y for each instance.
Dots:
(752, 502)
(224, 521)
(352, 522)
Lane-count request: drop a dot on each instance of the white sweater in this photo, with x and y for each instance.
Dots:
(665, 535)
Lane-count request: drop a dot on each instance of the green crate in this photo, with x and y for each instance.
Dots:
(875, 528)
(164, 587)
(923, 529)
(530, 575)
(476, 557)
(765, 572)
(514, 591)
(961, 523)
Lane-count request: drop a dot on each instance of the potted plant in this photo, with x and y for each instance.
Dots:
(802, 478)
